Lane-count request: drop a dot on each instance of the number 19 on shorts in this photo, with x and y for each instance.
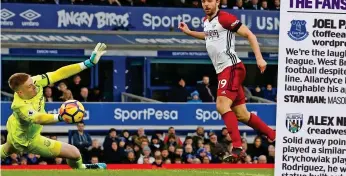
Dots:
(222, 83)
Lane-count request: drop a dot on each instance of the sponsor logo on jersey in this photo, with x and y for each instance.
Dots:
(31, 112)
(294, 122)
(47, 143)
(298, 30)
(210, 34)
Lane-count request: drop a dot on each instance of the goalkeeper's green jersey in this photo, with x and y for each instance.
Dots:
(19, 125)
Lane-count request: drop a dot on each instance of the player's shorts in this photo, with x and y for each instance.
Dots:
(231, 83)
(40, 145)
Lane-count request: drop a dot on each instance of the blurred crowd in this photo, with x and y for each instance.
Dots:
(267, 92)
(205, 92)
(202, 92)
(230, 4)
(157, 149)
(74, 91)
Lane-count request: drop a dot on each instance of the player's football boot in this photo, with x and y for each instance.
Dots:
(96, 166)
(238, 154)
(272, 142)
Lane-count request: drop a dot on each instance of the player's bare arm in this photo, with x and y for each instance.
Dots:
(245, 32)
(184, 28)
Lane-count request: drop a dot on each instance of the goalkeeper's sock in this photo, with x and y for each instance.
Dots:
(3, 153)
(76, 164)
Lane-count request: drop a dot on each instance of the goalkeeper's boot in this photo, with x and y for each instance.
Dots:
(238, 154)
(96, 166)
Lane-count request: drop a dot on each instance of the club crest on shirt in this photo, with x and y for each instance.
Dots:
(31, 112)
(47, 143)
(298, 30)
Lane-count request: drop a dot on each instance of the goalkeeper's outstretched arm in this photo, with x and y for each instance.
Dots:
(45, 119)
(70, 70)
(26, 113)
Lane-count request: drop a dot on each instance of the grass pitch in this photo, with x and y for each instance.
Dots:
(163, 172)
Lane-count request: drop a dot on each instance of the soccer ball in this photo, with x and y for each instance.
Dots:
(72, 111)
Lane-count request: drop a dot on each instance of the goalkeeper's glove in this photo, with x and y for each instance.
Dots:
(58, 118)
(96, 55)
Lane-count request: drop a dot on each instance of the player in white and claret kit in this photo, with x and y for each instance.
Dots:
(219, 33)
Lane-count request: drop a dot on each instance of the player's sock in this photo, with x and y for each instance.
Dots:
(256, 123)
(231, 123)
(76, 164)
(3, 153)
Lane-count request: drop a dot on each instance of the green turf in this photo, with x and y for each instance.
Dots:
(199, 172)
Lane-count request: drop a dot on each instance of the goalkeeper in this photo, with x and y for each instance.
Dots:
(25, 124)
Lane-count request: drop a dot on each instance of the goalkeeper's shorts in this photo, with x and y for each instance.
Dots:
(40, 145)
